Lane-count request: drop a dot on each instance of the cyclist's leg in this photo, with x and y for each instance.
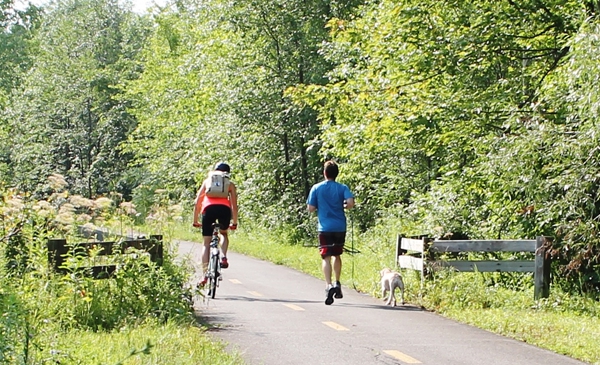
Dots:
(208, 218)
(224, 217)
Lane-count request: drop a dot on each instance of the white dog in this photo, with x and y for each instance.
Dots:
(390, 280)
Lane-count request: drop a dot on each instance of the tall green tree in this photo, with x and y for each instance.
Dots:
(280, 42)
(16, 49)
(552, 163)
(181, 129)
(422, 88)
(68, 118)
(215, 78)
(478, 117)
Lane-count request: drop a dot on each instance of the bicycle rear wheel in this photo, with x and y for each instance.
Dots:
(213, 276)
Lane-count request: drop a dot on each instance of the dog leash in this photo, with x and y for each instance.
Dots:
(353, 251)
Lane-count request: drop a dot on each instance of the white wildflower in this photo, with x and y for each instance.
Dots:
(176, 212)
(89, 227)
(128, 208)
(84, 218)
(66, 208)
(57, 182)
(176, 209)
(15, 203)
(43, 208)
(79, 201)
(103, 203)
(65, 218)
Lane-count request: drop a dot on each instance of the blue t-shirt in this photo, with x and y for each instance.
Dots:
(328, 196)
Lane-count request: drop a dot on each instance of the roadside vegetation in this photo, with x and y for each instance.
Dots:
(142, 315)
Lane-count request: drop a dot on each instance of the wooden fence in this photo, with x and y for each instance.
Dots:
(422, 254)
(59, 250)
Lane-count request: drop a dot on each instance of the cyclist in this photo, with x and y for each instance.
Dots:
(218, 207)
(329, 199)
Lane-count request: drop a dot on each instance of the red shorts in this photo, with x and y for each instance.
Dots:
(331, 243)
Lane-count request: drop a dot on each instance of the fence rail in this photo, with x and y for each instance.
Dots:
(59, 250)
(422, 254)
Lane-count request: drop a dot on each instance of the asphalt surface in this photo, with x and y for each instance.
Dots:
(274, 315)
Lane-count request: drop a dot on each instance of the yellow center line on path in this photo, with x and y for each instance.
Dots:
(235, 281)
(255, 293)
(402, 357)
(294, 307)
(335, 326)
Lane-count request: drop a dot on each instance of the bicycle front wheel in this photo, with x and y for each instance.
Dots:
(214, 275)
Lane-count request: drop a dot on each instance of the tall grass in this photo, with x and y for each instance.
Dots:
(142, 314)
(148, 343)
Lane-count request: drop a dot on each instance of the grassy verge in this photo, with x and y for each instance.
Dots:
(147, 344)
(565, 325)
(565, 333)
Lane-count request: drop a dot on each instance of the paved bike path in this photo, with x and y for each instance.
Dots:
(274, 315)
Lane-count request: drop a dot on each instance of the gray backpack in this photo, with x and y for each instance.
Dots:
(217, 184)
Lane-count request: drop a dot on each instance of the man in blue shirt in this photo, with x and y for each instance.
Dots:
(329, 199)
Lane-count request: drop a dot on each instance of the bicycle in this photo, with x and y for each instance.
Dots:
(214, 263)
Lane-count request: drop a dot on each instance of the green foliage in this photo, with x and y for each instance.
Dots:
(406, 115)
(464, 118)
(149, 343)
(472, 117)
(177, 136)
(17, 28)
(66, 117)
(213, 90)
(13, 327)
(138, 291)
(36, 301)
(16, 48)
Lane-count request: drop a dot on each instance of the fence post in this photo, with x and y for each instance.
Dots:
(57, 248)
(399, 250)
(156, 251)
(541, 276)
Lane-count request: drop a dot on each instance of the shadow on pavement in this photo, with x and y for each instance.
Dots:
(220, 321)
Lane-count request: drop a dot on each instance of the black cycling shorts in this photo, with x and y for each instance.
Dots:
(215, 213)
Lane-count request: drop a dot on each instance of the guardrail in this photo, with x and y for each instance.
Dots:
(421, 254)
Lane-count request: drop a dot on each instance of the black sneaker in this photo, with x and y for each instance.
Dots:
(338, 290)
(329, 295)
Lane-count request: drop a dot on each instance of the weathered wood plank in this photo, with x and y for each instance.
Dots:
(409, 262)
(411, 244)
(483, 246)
(489, 266)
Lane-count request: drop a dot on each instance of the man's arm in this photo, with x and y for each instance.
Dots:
(311, 208)
(349, 203)
(234, 205)
(198, 204)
